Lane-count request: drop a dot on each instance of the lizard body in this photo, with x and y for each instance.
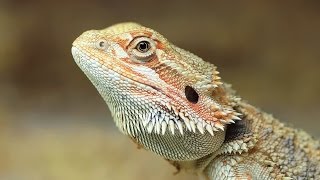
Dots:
(171, 102)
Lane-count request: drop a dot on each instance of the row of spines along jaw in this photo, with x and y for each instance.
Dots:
(159, 122)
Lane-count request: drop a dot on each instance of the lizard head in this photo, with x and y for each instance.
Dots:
(162, 96)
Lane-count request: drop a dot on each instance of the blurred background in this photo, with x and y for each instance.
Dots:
(53, 123)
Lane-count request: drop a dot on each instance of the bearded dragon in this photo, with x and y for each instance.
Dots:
(173, 103)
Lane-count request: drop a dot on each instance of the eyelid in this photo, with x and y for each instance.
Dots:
(138, 39)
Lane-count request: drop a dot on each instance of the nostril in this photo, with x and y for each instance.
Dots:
(102, 44)
(191, 94)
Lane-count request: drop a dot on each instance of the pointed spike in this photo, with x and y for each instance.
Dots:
(223, 113)
(161, 117)
(200, 127)
(227, 121)
(156, 118)
(223, 121)
(209, 129)
(181, 114)
(150, 126)
(208, 86)
(236, 118)
(171, 126)
(214, 107)
(175, 110)
(166, 118)
(180, 127)
(193, 126)
(146, 120)
(203, 83)
(219, 126)
(163, 127)
(186, 120)
(230, 121)
(187, 123)
(157, 127)
(214, 128)
(168, 106)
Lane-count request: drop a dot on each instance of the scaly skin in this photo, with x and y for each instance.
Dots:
(171, 102)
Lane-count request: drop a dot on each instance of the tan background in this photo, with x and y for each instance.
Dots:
(53, 124)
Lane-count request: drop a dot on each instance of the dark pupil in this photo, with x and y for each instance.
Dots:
(191, 94)
(143, 46)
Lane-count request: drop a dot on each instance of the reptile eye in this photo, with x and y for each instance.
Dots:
(142, 49)
(191, 94)
(143, 46)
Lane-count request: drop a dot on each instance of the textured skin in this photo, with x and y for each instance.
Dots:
(171, 102)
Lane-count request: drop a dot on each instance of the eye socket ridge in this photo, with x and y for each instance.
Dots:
(142, 49)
